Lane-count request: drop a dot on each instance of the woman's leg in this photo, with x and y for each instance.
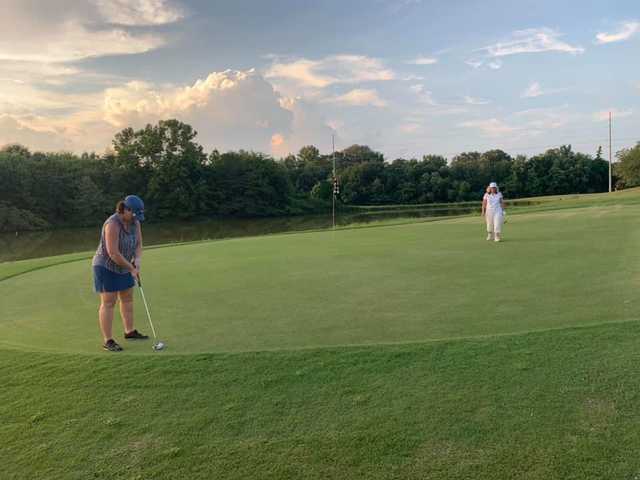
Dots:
(105, 315)
(498, 219)
(126, 309)
(489, 219)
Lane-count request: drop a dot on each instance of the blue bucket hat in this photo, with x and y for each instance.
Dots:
(136, 205)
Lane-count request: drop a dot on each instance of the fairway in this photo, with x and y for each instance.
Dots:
(406, 351)
(413, 282)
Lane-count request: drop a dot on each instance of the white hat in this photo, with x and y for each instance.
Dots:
(493, 185)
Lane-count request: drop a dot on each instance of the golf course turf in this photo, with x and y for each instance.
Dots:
(416, 350)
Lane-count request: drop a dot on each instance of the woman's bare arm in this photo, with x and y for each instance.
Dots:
(139, 245)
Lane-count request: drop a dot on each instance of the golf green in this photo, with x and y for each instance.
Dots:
(414, 282)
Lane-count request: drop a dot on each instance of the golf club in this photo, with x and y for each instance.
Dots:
(157, 346)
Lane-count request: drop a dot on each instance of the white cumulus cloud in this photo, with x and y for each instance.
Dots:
(230, 109)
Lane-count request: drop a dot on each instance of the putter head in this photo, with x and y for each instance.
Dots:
(158, 346)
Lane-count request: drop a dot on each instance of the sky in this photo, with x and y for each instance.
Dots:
(406, 77)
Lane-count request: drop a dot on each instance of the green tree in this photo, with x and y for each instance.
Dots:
(628, 167)
(90, 203)
(250, 184)
(356, 154)
(173, 162)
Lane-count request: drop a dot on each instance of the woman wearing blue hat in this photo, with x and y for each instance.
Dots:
(116, 265)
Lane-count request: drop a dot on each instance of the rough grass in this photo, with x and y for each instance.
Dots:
(552, 405)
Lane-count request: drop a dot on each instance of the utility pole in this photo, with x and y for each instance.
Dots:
(333, 187)
(610, 156)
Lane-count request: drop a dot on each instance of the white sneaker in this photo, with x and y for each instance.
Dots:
(489, 237)
(497, 239)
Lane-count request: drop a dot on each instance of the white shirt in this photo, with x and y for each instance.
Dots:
(493, 201)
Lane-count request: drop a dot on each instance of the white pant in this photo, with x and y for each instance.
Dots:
(494, 219)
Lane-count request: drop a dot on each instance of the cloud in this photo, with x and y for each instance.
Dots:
(72, 42)
(545, 118)
(73, 30)
(277, 141)
(533, 90)
(139, 12)
(413, 78)
(474, 63)
(625, 31)
(20, 97)
(495, 64)
(230, 109)
(603, 115)
(13, 130)
(332, 70)
(410, 128)
(475, 101)
(359, 97)
(491, 127)
(532, 40)
(308, 127)
(424, 96)
(303, 71)
(423, 61)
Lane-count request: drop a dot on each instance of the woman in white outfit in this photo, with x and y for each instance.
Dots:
(493, 212)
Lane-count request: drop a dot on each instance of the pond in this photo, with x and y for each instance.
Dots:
(25, 245)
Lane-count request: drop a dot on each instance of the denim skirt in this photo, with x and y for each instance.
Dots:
(107, 281)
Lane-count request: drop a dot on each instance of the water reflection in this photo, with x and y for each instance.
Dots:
(56, 242)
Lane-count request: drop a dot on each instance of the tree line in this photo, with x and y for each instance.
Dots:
(165, 165)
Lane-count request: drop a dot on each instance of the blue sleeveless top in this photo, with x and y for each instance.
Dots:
(127, 243)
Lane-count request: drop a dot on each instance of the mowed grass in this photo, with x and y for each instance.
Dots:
(414, 282)
(409, 351)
